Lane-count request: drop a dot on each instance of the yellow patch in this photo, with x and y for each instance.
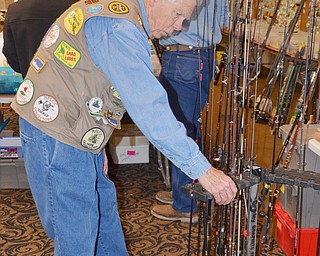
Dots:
(68, 55)
(266, 185)
(73, 21)
(118, 7)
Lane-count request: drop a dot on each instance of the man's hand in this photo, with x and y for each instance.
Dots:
(219, 185)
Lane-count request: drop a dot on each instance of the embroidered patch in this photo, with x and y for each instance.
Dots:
(111, 119)
(37, 63)
(93, 138)
(68, 55)
(95, 9)
(25, 92)
(46, 108)
(91, 2)
(74, 21)
(118, 7)
(52, 36)
(94, 107)
(115, 93)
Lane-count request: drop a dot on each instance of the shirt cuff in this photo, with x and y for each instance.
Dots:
(198, 166)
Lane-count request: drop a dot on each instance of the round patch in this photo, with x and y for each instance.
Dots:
(93, 138)
(118, 7)
(95, 9)
(95, 106)
(52, 36)
(46, 108)
(25, 92)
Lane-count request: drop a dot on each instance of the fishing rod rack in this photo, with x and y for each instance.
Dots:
(249, 244)
(295, 177)
(239, 104)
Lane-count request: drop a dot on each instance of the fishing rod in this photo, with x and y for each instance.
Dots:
(267, 188)
(295, 128)
(263, 101)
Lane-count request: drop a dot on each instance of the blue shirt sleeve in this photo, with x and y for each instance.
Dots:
(121, 50)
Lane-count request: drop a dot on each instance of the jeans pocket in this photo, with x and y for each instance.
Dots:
(106, 177)
(25, 139)
(26, 132)
(186, 69)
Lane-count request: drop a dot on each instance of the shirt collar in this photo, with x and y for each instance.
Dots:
(144, 17)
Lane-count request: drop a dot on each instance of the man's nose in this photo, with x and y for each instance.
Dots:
(178, 24)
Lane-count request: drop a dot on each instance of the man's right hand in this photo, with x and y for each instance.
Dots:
(219, 185)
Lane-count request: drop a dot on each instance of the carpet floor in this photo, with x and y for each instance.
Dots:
(21, 233)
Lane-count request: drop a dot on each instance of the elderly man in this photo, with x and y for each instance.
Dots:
(93, 63)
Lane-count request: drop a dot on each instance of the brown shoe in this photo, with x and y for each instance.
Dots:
(164, 197)
(166, 212)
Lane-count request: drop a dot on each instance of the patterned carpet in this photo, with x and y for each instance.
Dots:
(21, 233)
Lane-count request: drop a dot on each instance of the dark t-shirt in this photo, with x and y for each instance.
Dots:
(26, 23)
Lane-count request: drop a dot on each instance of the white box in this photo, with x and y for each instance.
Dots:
(10, 147)
(129, 146)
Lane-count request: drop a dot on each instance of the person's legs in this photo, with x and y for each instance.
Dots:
(183, 92)
(187, 96)
(65, 185)
(181, 201)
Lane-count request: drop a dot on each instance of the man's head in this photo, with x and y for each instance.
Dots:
(167, 16)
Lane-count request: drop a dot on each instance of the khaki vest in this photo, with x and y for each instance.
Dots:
(64, 94)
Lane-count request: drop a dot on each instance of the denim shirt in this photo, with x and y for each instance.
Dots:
(122, 51)
(203, 30)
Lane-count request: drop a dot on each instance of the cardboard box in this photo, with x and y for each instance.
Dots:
(6, 133)
(13, 174)
(129, 146)
(5, 3)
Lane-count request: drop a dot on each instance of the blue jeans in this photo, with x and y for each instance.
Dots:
(76, 202)
(180, 77)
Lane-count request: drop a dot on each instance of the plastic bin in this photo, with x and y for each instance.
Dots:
(285, 234)
(9, 80)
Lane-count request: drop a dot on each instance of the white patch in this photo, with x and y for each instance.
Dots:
(93, 138)
(52, 36)
(25, 92)
(95, 106)
(46, 108)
